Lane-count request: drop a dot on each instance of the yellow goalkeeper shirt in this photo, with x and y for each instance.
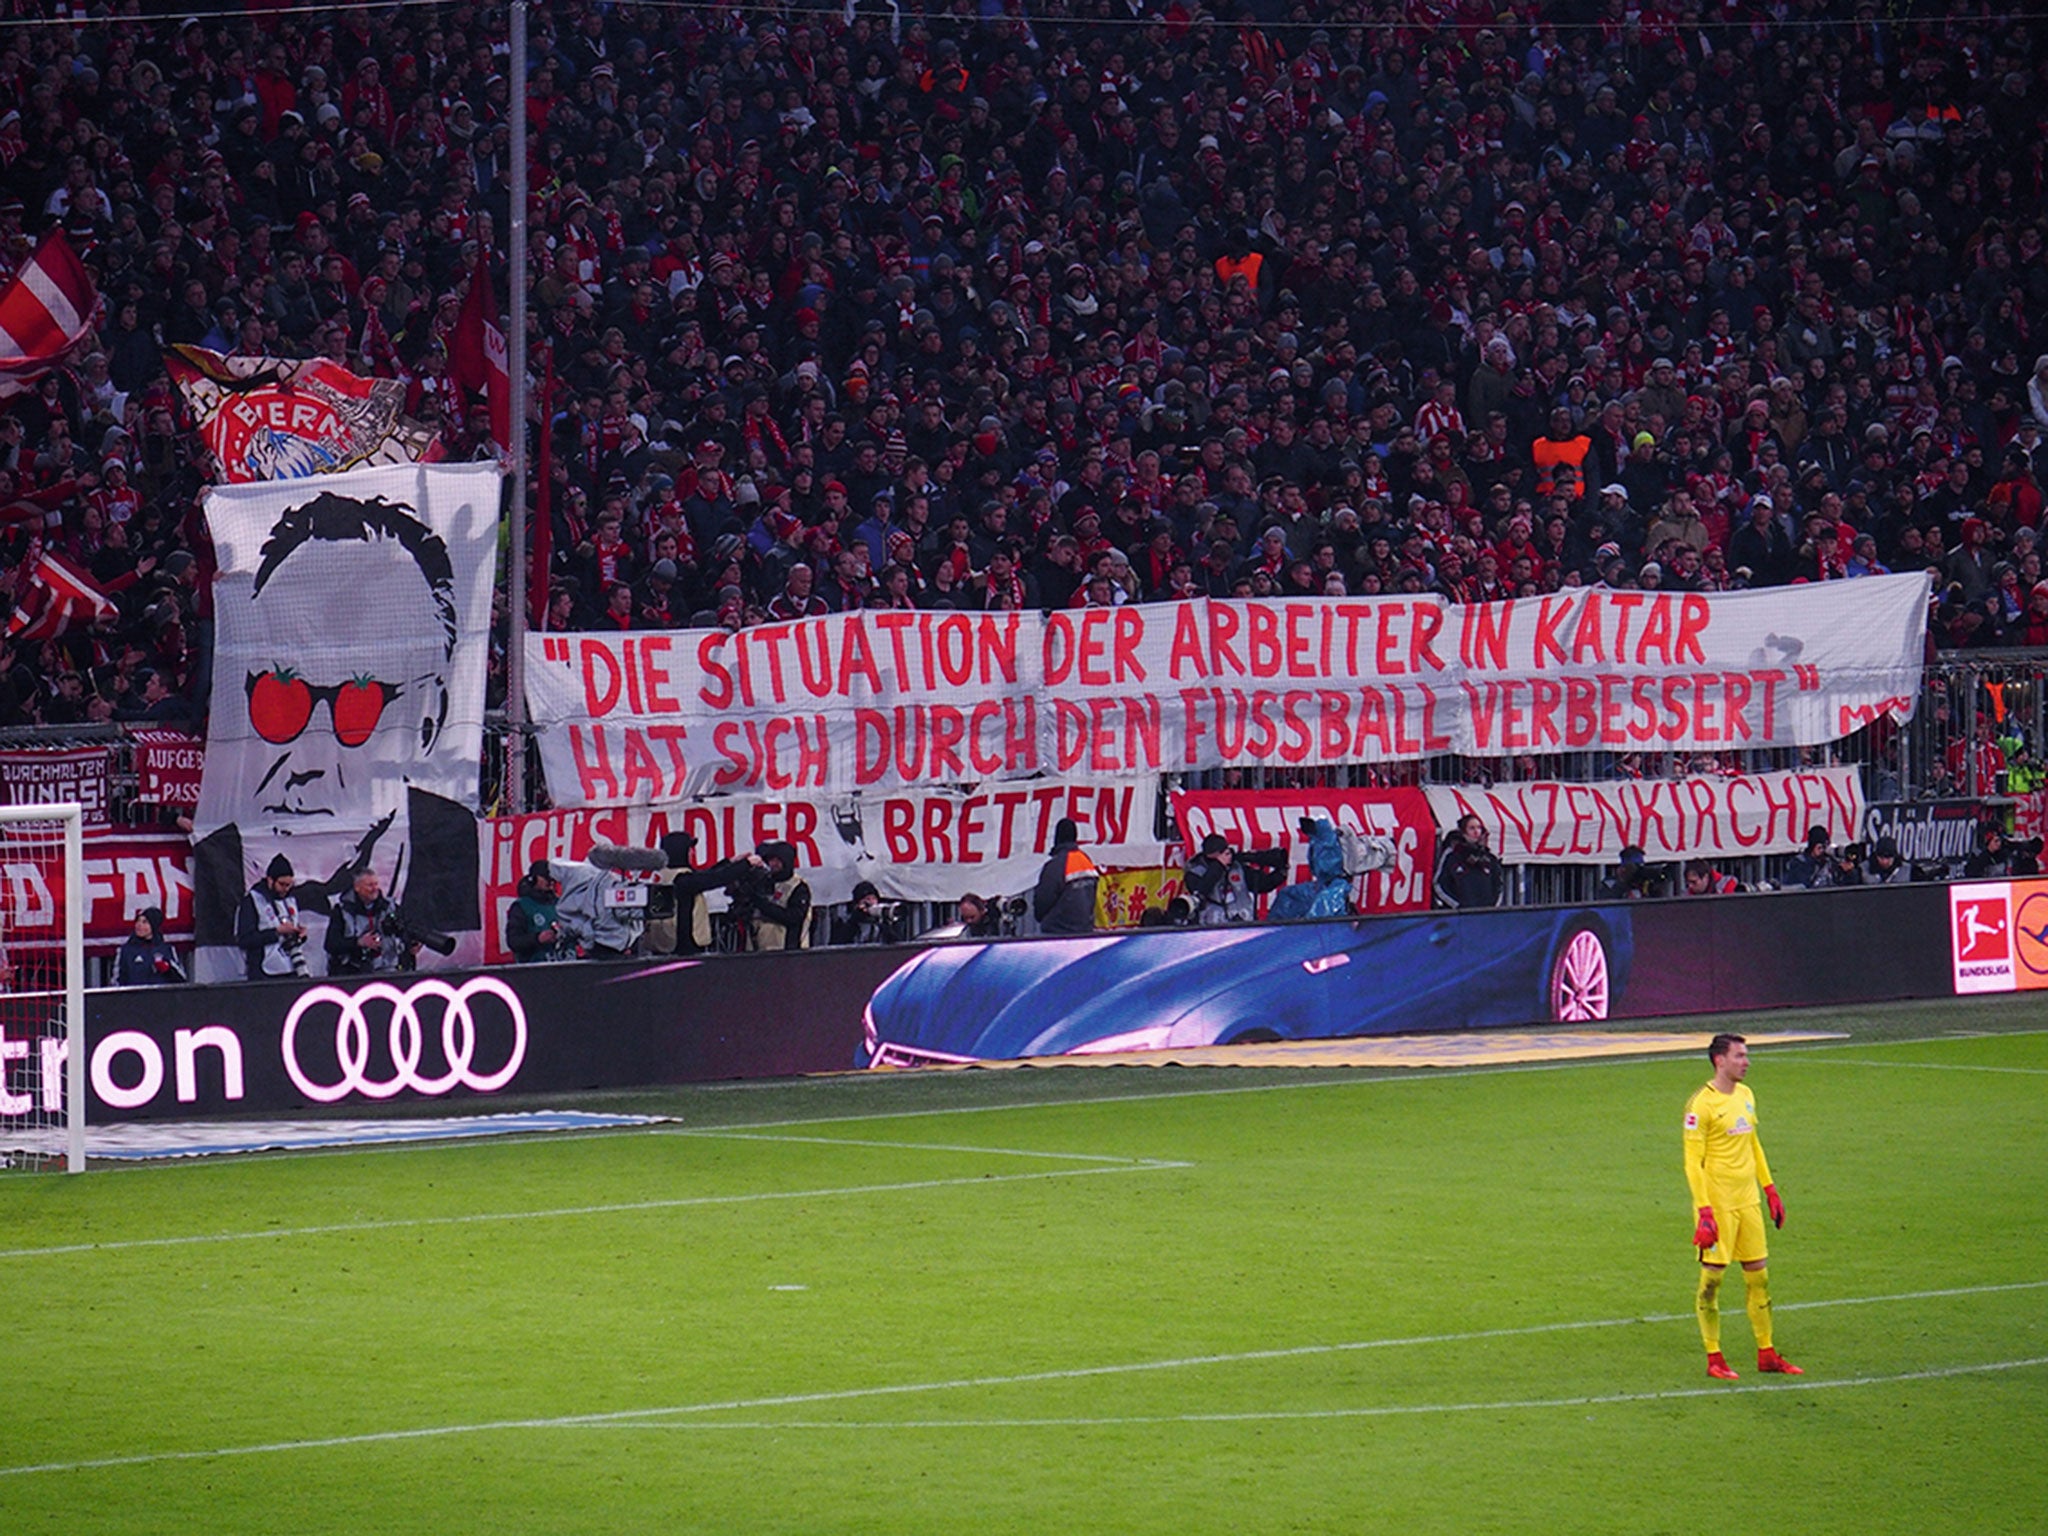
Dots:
(1724, 1158)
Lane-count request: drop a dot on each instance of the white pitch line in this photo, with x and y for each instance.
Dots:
(1936, 1066)
(625, 1206)
(1382, 1411)
(910, 1146)
(978, 1383)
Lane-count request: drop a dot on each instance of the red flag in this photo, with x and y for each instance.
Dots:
(541, 532)
(44, 312)
(477, 355)
(54, 597)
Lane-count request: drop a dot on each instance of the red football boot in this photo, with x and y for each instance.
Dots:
(1769, 1360)
(1719, 1368)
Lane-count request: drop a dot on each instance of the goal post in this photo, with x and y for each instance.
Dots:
(43, 1067)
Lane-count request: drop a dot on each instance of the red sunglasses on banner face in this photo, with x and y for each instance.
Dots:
(281, 705)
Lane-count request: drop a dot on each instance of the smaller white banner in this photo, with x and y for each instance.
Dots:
(1543, 822)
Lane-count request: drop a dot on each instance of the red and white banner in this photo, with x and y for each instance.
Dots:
(125, 873)
(45, 311)
(1697, 818)
(1269, 818)
(888, 699)
(916, 845)
(271, 418)
(56, 776)
(855, 701)
(168, 765)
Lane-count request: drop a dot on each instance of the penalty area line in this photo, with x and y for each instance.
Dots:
(645, 1416)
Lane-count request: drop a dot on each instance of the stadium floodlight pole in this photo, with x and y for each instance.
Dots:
(515, 364)
(75, 903)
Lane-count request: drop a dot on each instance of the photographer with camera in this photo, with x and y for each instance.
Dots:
(1224, 885)
(364, 934)
(1994, 858)
(1885, 866)
(1808, 869)
(771, 901)
(1703, 879)
(981, 918)
(868, 919)
(685, 928)
(1845, 867)
(533, 929)
(145, 960)
(1634, 878)
(267, 927)
(605, 902)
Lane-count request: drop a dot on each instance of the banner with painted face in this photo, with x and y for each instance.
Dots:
(353, 625)
(887, 700)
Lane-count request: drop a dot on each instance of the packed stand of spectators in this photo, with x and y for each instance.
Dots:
(1039, 308)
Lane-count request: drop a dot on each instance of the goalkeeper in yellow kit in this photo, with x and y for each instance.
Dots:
(1724, 1164)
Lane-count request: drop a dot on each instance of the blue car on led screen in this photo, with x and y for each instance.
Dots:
(1172, 989)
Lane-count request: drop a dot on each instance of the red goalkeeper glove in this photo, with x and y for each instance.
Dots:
(1777, 1205)
(1708, 1232)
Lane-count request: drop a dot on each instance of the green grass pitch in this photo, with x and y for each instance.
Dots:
(1118, 1300)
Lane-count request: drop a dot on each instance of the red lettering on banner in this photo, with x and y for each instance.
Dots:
(1262, 640)
(594, 775)
(985, 761)
(938, 839)
(899, 821)
(1483, 642)
(971, 828)
(1656, 635)
(1222, 630)
(1045, 801)
(1588, 642)
(1693, 614)
(1624, 605)
(599, 694)
(716, 691)
(1007, 802)
(1426, 621)
(1550, 618)
(642, 773)
(857, 659)
(1130, 633)
(1387, 644)
(654, 678)
(1187, 651)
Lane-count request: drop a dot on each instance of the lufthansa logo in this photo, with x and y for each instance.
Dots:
(407, 1036)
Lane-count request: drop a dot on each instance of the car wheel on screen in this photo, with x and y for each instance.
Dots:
(1580, 986)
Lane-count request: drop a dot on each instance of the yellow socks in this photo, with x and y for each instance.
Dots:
(1759, 1283)
(1708, 1304)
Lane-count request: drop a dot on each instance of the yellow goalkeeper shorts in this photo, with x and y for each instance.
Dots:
(1742, 1236)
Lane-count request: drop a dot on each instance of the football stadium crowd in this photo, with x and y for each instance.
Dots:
(1053, 304)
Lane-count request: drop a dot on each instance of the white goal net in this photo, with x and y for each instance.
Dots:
(42, 988)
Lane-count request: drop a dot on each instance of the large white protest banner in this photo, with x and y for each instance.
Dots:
(352, 620)
(1544, 822)
(895, 699)
(353, 624)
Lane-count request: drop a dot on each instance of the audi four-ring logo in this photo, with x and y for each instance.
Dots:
(407, 1038)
